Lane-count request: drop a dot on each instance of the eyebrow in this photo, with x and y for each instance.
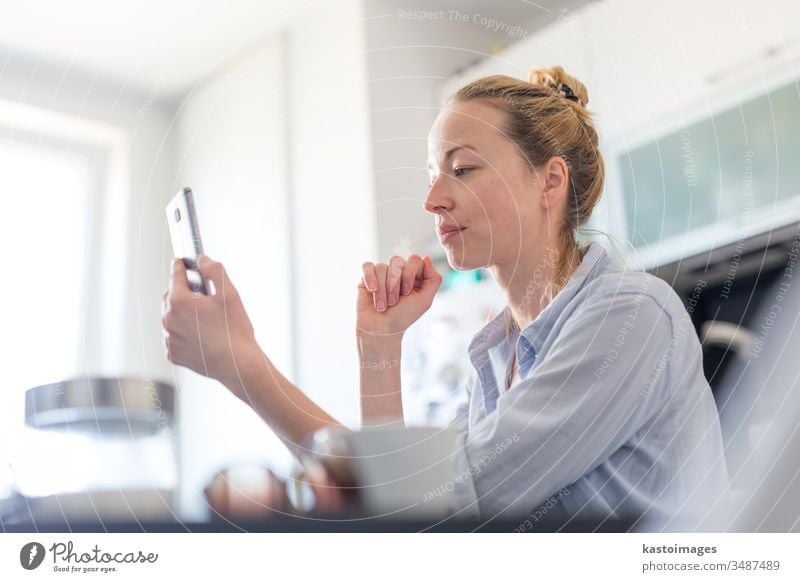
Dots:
(453, 150)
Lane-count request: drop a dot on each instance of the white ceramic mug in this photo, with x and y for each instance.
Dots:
(397, 471)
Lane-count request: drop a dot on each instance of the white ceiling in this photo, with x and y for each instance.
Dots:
(172, 44)
(165, 43)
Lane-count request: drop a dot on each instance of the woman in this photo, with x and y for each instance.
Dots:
(588, 395)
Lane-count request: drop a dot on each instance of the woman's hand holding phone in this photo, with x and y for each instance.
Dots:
(210, 334)
(393, 295)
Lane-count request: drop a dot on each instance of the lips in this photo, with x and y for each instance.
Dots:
(448, 231)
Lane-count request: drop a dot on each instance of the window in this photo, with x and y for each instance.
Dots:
(62, 190)
(43, 227)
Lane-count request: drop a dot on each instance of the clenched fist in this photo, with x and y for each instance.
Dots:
(393, 295)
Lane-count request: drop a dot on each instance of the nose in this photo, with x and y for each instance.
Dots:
(438, 201)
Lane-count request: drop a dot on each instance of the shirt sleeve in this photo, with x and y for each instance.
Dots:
(603, 377)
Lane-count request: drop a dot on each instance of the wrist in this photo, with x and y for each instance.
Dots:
(246, 363)
(371, 346)
(379, 354)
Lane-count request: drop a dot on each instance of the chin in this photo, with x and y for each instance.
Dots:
(463, 262)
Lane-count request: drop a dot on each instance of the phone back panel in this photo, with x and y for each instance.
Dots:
(185, 234)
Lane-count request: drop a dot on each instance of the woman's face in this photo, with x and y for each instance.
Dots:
(485, 196)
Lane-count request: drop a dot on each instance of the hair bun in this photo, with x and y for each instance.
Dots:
(560, 81)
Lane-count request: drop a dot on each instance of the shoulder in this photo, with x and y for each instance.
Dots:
(610, 278)
(625, 283)
(650, 296)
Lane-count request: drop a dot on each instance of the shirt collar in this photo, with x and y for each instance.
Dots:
(534, 334)
(537, 331)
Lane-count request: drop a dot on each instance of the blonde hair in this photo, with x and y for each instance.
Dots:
(547, 117)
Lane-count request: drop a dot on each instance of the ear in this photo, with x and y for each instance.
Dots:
(554, 178)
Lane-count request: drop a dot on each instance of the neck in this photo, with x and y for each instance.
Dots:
(524, 281)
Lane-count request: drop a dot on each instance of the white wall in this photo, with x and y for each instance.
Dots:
(331, 192)
(231, 152)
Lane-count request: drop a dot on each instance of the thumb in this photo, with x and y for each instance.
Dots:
(364, 294)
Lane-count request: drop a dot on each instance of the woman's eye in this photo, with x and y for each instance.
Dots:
(460, 171)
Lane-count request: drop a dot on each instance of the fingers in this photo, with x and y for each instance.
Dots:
(395, 274)
(179, 283)
(216, 273)
(175, 294)
(327, 495)
(369, 276)
(381, 269)
(400, 277)
(165, 322)
(412, 270)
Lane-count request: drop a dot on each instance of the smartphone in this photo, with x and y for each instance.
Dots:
(184, 230)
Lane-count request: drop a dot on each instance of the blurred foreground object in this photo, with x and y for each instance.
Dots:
(98, 448)
(247, 492)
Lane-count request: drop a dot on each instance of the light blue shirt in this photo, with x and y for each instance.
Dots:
(612, 415)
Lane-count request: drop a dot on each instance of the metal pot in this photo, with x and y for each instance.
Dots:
(106, 405)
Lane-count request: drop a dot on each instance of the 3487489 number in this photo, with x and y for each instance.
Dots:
(750, 565)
